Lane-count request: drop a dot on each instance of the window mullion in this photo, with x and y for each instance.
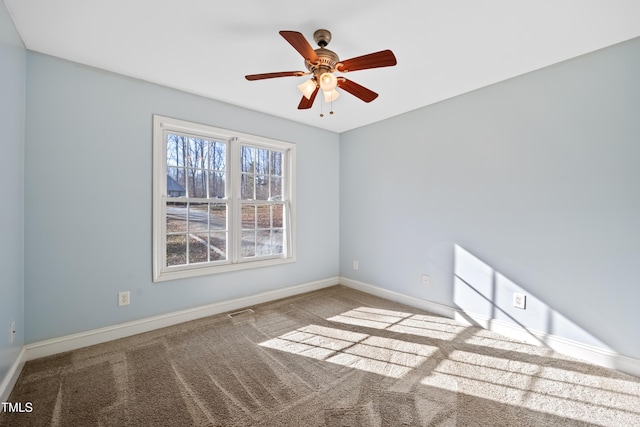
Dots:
(186, 242)
(160, 220)
(206, 169)
(185, 162)
(207, 178)
(288, 190)
(235, 215)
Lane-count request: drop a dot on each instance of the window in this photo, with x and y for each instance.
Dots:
(222, 200)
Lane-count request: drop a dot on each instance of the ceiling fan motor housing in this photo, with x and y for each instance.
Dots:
(327, 59)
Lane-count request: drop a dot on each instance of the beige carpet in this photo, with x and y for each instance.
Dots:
(335, 357)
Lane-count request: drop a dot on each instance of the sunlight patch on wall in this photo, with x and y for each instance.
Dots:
(486, 295)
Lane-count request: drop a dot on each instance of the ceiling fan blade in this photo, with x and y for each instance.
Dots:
(273, 75)
(357, 90)
(300, 44)
(307, 103)
(384, 58)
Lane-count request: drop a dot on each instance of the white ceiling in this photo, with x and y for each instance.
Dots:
(206, 47)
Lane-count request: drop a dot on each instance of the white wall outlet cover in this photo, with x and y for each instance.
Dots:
(425, 279)
(123, 298)
(12, 332)
(519, 301)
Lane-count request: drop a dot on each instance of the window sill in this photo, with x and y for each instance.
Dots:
(187, 272)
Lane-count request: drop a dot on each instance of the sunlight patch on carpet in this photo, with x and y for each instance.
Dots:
(385, 356)
(534, 387)
(398, 321)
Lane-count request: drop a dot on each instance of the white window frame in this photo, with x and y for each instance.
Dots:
(163, 125)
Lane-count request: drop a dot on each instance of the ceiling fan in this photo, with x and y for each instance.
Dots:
(322, 63)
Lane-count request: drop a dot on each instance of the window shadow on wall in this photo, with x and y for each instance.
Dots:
(486, 298)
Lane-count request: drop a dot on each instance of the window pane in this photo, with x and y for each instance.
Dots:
(247, 160)
(175, 150)
(197, 183)
(176, 250)
(217, 156)
(248, 248)
(176, 217)
(247, 187)
(264, 216)
(198, 248)
(248, 216)
(263, 243)
(218, 246)
(262, 187)
(197, 153)
(276, 163)
(218, 216)
(277, 215)
(198, 217)
(262, 161)
(276, 188)
(217, 185)
(175, 182)
(277, 246)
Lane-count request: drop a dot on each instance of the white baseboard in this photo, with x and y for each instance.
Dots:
(596, 355)
(109, 333)
(571, 348)
(12, 376)
(430, 306)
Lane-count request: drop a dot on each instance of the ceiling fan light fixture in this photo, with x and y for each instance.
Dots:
(307, 88)
(330, 96)
(322, 63)
(328, 82)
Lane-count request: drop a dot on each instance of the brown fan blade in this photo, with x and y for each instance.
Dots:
(300, 44)
(307, 103)
(273, 75)
(357, 90)
(384, 58)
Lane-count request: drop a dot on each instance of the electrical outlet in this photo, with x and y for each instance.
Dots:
(124, 298)
(12, 332)
(425, 280)
(355, 264)
(520, 301)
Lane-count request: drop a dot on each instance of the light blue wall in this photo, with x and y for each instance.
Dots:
(530, 185)
(88, 200)
(12, 99)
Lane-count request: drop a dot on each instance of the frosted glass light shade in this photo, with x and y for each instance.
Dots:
(307, 88)
(331, 96)
(328, 82)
